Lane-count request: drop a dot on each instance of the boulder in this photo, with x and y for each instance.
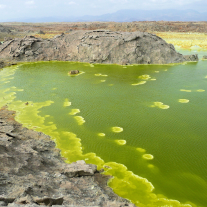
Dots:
(190, 58)
(205, 57)
(73, 72)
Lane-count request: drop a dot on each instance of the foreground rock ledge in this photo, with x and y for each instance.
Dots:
(32, 172)
(98, 46)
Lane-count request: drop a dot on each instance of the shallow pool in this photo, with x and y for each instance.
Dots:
(144, 124)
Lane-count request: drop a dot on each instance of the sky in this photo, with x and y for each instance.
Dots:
(11, 10)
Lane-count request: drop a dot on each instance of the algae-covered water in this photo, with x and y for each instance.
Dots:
(144, 124)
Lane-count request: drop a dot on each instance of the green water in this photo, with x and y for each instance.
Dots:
(144, 124)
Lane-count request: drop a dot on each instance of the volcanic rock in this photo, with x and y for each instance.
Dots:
(74, 72)
(190, 58)
(98, 46)
(32, 172)
(4, 29)
(40, 32)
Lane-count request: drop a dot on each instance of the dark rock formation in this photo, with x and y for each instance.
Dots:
(32, 172)
(39, 32)
(98, 46)
(190, 58)
(73, 72)
(205, 57)
(4, 29)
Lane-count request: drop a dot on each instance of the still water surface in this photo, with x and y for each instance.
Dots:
(144, 124)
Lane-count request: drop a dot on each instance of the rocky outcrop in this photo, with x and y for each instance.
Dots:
(4, 29)
(191, 58)
(39, 32)
(98, 46)
(32, 172)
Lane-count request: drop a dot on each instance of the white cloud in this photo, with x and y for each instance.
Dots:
(30, 2)
(71, 3)
(2, 6)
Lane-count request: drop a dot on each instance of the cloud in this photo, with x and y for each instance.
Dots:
(2, 6)
(29, 2)
(71, 3)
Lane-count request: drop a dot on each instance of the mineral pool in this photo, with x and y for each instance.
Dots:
(144, 124)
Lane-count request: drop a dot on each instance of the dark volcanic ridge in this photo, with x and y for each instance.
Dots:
(98, 46)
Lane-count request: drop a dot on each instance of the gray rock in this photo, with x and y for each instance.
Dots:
(79, 168)
(190, 58)
(205, 57)
(98, 46)
(72, 72)
(4, 29)
(34, 174)
(29, 53)
(40, 32)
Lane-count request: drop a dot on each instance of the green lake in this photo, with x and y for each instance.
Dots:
(144, 124)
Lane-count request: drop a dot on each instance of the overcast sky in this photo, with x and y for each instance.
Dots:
(22, 9)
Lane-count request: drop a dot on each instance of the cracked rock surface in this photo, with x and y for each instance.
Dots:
(96, 46)
(32, 172)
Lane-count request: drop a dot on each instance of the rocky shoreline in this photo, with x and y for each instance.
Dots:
(32, 172)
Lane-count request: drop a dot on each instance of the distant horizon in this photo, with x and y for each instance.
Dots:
(25, 10)
(124, 15)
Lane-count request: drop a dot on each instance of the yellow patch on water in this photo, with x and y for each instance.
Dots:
(206, 77)
(91, 65)
(7, 95)
(66, 103)
(200, 90)
(121, 142)
(103, 81)
(110, 84)
(185, 90)
(101, 134)
(141, 150)
(160, 105)
(144, 77)
(98, 74)
(183, 100)
(29, 116)
(104, 75)
(141, 190)
(80, 120)
(153, 79)
(157, 71)
(74, 112)
(148, 156)
(47, 115)
(54, 89)
(117, 129)
(140, 83)
(150, 166)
